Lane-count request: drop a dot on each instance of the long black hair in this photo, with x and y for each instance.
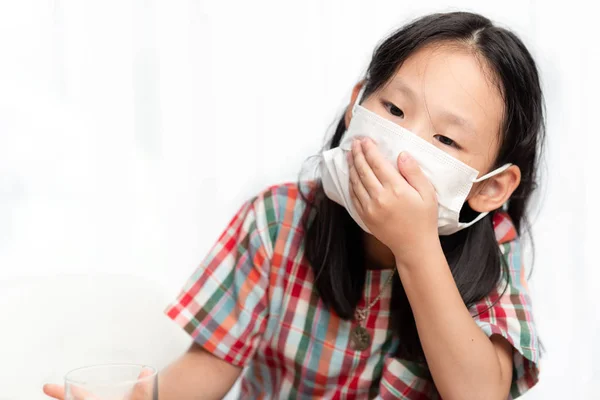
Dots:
(334, 242)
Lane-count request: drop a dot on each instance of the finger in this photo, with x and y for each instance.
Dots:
(78, 393)
(54, 391)
(144, 388)
(384, 171)
(360, 194)
(364, 171)
(414, 175)
(356, 201)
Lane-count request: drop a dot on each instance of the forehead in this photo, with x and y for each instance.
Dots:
(451, 79)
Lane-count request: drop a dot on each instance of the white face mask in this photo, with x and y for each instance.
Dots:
(451, 178)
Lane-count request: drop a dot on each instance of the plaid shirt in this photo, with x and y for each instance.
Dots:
(251, 303)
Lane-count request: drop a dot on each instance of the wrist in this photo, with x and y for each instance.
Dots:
(419, 255)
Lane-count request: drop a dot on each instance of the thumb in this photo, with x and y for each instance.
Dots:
(410, 170)
(54, 391)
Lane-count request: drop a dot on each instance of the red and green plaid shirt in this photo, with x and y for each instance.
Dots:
(252, 303)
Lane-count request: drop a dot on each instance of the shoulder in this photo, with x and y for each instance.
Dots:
(277, 202)
(507, 311)
(504, 228)
(284, 203)
(510, 250)
(509, 305)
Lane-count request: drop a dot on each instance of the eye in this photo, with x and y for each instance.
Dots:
(446, 141)
(395, 111)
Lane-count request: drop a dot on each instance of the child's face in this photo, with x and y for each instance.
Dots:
(445, 95)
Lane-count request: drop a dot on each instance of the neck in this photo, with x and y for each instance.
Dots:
(377, 254)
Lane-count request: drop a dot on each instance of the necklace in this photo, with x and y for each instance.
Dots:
(360, 339)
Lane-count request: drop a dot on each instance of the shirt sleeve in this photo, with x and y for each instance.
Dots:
(224, 305)
(507, 312)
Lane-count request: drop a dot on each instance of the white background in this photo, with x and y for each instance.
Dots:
(130, 131)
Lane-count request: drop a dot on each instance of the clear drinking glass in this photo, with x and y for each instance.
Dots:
(112, 382)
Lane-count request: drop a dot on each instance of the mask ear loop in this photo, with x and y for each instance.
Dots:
(494, 172)
(464, 225)
(503, 168)
(498, 171)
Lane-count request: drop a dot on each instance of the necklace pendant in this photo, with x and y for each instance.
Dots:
(360, 339)
(360, 314)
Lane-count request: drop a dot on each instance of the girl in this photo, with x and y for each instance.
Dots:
(398, 274)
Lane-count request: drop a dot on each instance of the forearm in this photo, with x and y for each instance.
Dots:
(463, 361)
(197, 375)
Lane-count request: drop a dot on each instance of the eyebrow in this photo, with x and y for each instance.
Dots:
(448, 116)
(402, 87)
(457, 120)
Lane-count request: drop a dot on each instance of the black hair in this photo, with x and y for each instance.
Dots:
(334, 242)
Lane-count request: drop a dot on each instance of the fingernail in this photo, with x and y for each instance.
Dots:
(404, 156)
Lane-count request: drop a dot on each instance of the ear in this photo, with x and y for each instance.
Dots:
(492, 193)
(355, 92)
